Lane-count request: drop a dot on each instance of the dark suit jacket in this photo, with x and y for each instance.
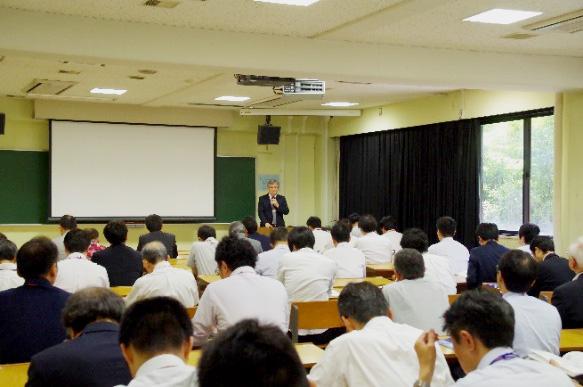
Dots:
(30, 320)
(123, 264)
(265, 241)
(93, 359)
(169, 240)
(553, 271)
(483, 262)
(568, 298)
(264, 210)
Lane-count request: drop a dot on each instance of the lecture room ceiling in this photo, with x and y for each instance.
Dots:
(368, 51)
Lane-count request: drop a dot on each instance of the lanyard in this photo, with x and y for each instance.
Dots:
(506, 356)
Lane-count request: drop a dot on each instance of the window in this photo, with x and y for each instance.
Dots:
(516, 184)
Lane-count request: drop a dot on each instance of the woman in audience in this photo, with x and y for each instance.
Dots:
(95, 246)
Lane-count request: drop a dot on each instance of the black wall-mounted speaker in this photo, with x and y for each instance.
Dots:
(268, 134)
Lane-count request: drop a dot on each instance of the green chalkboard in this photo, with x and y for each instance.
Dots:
(24, 192)
(234, 188)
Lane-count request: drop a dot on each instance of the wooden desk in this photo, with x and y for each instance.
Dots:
(121, 291)
(208, 279)
(179, 264)
(386, 270)
(377, 281)
(15, 375)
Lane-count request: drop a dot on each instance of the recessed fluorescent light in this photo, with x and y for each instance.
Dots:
(303, 3)
(232, 98)
(98, 90)
(340, 104)
(502, 16)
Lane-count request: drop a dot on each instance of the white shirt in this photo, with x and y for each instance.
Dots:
(165, 371)
(351, 262)
(419, 303)
(76, 272)
(202, 254)
(60, 243)
(166, 280)
(356, 232)
(395, 237)
(9, 279)
(457, 254)
(244, 294)
(323, 240)
(537, 324)
(376, 248)
(525, 248)
(268, 261)
(437, 269)
(515, 372)
(380, 354)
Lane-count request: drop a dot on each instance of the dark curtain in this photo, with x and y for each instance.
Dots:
(416, 175)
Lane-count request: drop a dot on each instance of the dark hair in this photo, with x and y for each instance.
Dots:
(35, 258)
(76, 241)
(353, 218)
(300, 237)
(68, 222)
(487, 231)
(544, 243)
(91, 233)
(7, 250)
(205, 231)
(250, 224)
(410, 264)
(367, 223)
(485, 315)
(340, 232)
(251, 355)
(314, 222)
(278, 234)
(528, 231)
(518, 270)
(116, 232)
(446, 226)
(155, 325)
(89, 305)
(362, 301)
(154, 252)
(415, 238)
(2, 236)
(388, 223)
(153, 222)
(235, 253)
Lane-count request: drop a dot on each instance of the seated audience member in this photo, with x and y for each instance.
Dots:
(376, 248)
(481, 325)
(76, 271)
(537, 324)
(251, 355)
(526, 233)
(94, 246)
(376, 351)
(241, 294)
(351, 262)
(322, 238)
(251, 228)
(154, 225)
(66, 224)
(567, 297)
(437, 268)
(163, 279)
(457, 254)
(156, 338)
(92, 357)
(202, 253)
(484, 258)
(268, 261)
(123, 264)
(9, 278)
(237, 230)
(2, 236)
(355, 230)
(30, 315)
(553, 271)
(415, 300)
(388, 226)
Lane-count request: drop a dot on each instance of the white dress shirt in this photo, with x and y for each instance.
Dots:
(395, 237)
(77, 272)
(537, 324)
(525, 248)
(244, 294)
(419, 303)
(351, 261)
(516, 372)
(9, 279)
(356, 232)
(323, 240)
(376, 248)
(268, 261)
(380, 354)
(457, 254)
(164, 371)
(60, 243)
(437, 269)
(202, 254)
(168, 281)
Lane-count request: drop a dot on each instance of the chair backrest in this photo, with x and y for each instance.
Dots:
(314, 315)
(191, 311)
(121, 291)
(452, 298)
(546, 296)
(14, 374)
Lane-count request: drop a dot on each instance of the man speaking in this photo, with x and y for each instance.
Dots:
(272, 207)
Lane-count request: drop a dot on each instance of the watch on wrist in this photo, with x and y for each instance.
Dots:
(421, 383)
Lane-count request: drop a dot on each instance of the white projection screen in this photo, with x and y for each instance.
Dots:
(106, 170)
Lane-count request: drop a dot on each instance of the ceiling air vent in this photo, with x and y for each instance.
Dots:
(161, 3)
(570, 22)
(48, 87)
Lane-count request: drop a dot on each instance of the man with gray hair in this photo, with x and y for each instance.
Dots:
(163, 279)
(237, 230)
(272, 206)
(567, 298)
